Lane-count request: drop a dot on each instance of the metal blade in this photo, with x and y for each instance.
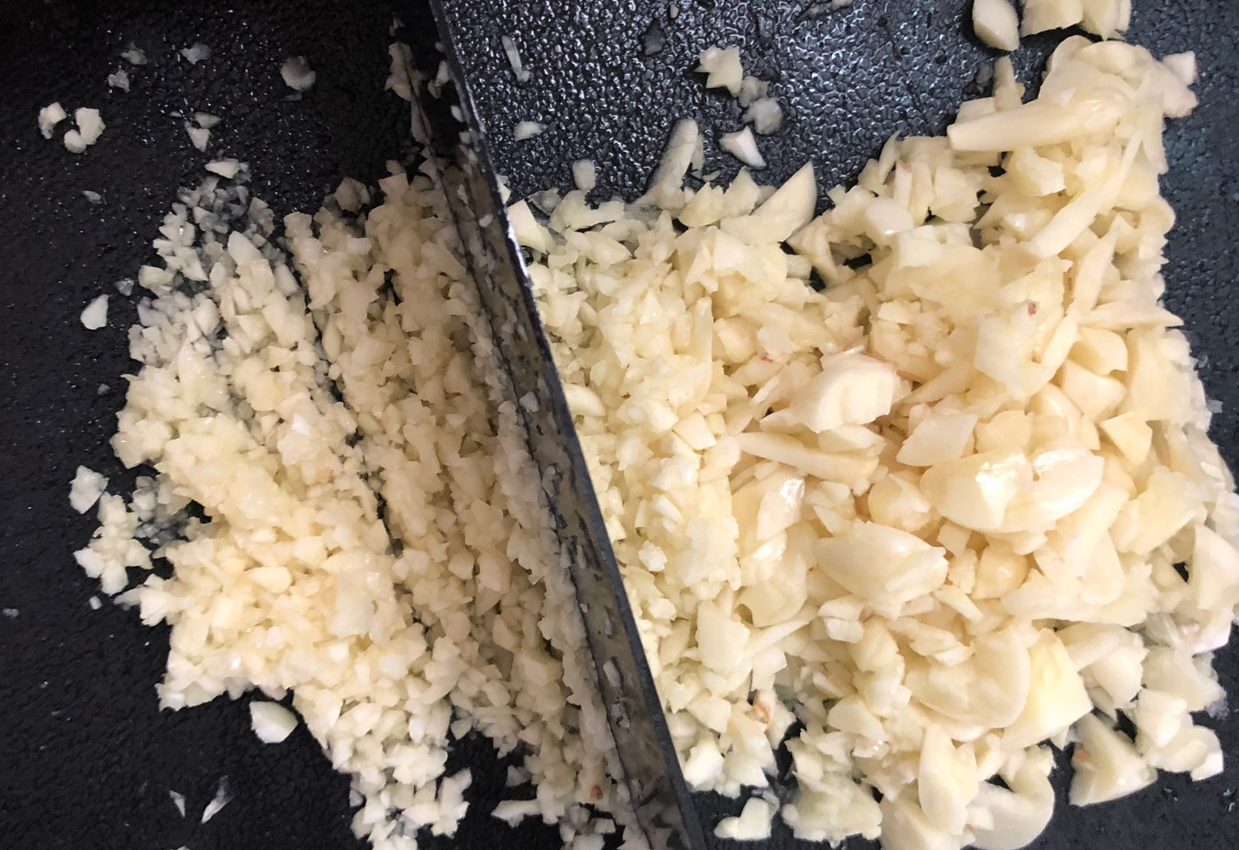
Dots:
(653, 779)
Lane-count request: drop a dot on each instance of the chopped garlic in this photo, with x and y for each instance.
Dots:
(196, 53)
(86, 489)
(95, 315)
(49, 117)
(722, 68)
(297, 73)
(752, 824)
(935, 505)
(198, 136)
(272, 722)
(527, 130)
(996, 23)
(743, 147)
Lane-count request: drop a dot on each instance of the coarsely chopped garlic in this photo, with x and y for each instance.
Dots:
(722, 68)
(196, 53)
(450, 610)
(297, 73)
(222, 798)
(119, 80)
(199, 137)
(996, 23)
(935, 507)
(86, 489)
(743, 147)
(272, 722)
(527, 130)
(514, 59)
(49, 117)
(90, 127)
(1105, 18)
(95, 315)
(134, 55)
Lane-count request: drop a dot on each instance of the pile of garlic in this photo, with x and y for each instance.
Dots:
(956, 505)
(370, 533)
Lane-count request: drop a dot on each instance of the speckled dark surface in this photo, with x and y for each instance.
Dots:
(86, 759)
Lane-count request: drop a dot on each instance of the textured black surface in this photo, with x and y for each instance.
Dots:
(86, 759)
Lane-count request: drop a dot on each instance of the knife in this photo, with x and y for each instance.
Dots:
(455, 137)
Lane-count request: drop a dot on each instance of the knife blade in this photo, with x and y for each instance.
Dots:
(456, 138)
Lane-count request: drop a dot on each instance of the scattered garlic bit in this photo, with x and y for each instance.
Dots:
(722, 68)
(199, 137)
(743, 147)
(226, 168)
(585, 175)
(996, 23)
(222, 798)
(527, 130)
(119, 79)
(1106, 18)
(391, 636)
(765, 114)
(206, 120)
(178, 799)
(684, 151)
(196, 53)
(92, 196)
(937, 523)
(272, 722)
(86, 489)
(49, 117)
(134, 55)
(94, 603)
(399, 80)
(90, 127)
(297, 73)
(514, 59)
(95, 315)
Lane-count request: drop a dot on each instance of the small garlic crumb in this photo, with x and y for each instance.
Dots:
(527, 130)
(722, 68)
(226, 168)
(134, 55)
(90, 127)
(94, 603)
(86, 489)
(196, 53)
(271, 722)
(119, 79)
(743, 147)
(514, 59)
(178, 799)
(198, 136)
(222, 798)
(585, 174)
(297, 73)
(95, 315)
(49, 117)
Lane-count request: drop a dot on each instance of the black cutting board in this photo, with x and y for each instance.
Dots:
(86, 758)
